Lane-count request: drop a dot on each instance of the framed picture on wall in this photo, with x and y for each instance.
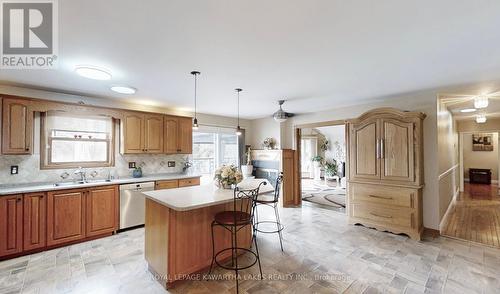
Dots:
(482, 142)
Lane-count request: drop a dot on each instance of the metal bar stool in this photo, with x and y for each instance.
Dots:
(271, 202)
(240, 217)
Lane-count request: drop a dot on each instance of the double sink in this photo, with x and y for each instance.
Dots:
(75, 183)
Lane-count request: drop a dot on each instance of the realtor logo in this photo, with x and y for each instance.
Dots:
(29, 34)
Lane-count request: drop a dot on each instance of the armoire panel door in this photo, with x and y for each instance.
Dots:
(397, 151)
(364, 160)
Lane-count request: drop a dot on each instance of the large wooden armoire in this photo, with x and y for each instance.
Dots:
(386, 171)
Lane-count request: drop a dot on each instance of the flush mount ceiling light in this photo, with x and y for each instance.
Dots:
(280, 115)
(481, 102)
(195, 121)
(467, 110)
(123, 90)
(481, 119)
(238, 129)
(93, 72)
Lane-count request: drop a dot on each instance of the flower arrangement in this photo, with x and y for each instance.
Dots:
(227, 175)
(269, 143)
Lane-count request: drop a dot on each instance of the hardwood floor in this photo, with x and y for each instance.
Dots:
(476, 215)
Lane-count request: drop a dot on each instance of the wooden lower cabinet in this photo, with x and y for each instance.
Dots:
(35, 221)
(189, 182)
(11, 225)
(168, 184)
(102, 210)
(65, 216)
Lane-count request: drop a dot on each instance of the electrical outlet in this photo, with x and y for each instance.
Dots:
(14, 169)
(171, 164)
(131, 164)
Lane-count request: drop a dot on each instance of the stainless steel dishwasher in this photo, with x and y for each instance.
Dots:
(132, 204)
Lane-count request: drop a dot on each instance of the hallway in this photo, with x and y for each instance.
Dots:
(476, 215)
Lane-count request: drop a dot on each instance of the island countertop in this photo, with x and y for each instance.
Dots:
(189, 198)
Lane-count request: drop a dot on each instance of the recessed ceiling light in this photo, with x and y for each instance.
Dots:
(124, 90)
(92, 72)
(468, 110)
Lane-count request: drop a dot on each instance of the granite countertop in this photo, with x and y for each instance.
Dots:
(189, 198)
(40, 187)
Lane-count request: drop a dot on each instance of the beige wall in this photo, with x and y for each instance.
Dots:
(424, 102)
(265, 128)
(448, 182)
(480, 159)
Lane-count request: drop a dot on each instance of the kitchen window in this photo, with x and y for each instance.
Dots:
(213, 148)
(70, 141)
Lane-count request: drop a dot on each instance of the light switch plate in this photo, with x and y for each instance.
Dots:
(171, 164)
(131, 164)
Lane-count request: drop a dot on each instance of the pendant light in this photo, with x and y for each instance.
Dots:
(481, 119)
(195, 121)
(281, 115)
(238, 129)
(481, 102)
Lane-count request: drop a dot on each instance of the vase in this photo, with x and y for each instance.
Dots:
(247, 171)
(137, 173)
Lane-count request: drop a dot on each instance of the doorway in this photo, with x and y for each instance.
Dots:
(322, 156)
(476, 213)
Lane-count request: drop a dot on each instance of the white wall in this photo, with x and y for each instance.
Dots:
(424, 102)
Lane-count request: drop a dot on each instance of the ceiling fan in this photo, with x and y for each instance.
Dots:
(280, 115)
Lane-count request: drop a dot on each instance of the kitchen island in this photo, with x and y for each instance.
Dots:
(178, 240)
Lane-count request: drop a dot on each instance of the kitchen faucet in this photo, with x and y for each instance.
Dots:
(83, 175)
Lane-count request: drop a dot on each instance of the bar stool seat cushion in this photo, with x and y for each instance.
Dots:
(228, 218)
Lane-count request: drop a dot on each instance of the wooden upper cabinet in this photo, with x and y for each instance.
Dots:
(185, 135)
(17, 126)
(11, 225)
(171, 137)
(133, 133)
(153, 131)
(102, 210)
(364, 150)
(397, 150)
(65, 216)
(34, 224)
(178, 135)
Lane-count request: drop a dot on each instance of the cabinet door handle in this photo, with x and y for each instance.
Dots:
(380, 215)
(19, 199)
(378, 149)
(381, 197)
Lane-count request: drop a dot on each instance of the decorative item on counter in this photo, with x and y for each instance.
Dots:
(227, 176)
(94, 174)
(186, 164)
(247, 169)
(137, 173)
(64, 175)
(269, 143)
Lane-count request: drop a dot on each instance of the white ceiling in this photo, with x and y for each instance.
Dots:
(318, 54)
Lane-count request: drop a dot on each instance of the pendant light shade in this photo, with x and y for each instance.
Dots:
(195, 120)
(238, 128)
(480, 119)
(481, 102)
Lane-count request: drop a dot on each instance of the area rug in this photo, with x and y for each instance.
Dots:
(325, 196)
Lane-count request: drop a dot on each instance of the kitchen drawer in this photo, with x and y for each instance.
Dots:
(384, 216)
(189, 182)
(385, 195)
(170, 184)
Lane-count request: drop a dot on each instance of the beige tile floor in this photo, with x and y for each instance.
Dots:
(322, 255)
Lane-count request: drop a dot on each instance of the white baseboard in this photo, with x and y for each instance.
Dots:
(449, 210)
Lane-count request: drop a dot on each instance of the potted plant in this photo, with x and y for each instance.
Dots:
(227, 176)
(331, 168)
(247, 169)
(317, 164)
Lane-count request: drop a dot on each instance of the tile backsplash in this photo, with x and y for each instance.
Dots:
(29, 168)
